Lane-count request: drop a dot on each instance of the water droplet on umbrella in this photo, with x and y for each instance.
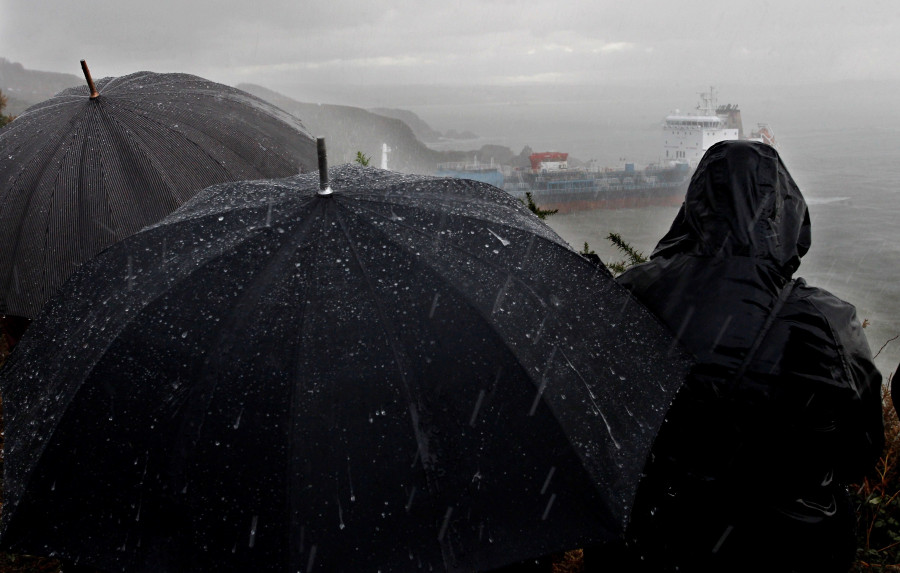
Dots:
(721, 540)
(547, 481)
(409, 501)
(445, 524)
(503, 241)
(478, 402)
(253, 523)
(549, 505)
(350, 481)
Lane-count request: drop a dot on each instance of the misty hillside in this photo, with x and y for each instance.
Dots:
(350, 129)
(419, 127)
(347, 129)
(422, 130)
(24, 87)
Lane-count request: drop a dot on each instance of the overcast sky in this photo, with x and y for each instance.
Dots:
(461, 41)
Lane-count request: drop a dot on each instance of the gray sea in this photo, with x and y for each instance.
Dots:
(841, 144)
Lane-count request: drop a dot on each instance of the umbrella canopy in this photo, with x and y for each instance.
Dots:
(408, 373)
(78, 173)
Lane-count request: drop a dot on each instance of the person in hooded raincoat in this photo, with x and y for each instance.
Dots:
(783, 406)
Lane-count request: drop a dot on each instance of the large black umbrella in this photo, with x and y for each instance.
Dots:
(80, 171)
(408, 373)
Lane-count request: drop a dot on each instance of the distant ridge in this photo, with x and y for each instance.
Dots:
(25, 87)
(347, 129)
(351, 129)
(419, 127)
(422, 130)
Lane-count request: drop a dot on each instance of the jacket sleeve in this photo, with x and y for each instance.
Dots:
(857, 403)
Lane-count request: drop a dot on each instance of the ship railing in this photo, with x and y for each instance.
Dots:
(560, 189)
(464, 166)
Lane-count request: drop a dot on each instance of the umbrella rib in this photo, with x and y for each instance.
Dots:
(65, 144)
(491, 324)
(211, 134)
(470, 253)
(461, 216)
(151, 154)
(488, 321)
(46, 106)
(502, 199)
(390, 331)
(462, 295)
(119, 86)
(139, 144)
(252, 291)
(183, 214)
(119, 82)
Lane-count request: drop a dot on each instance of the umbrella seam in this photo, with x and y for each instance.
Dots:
(139, 143)
(210, 133)
(514, 351)
(169, 132)
(44, 106)
(552, 235)
(391, 333)
(476, 256)
(488, 319)
(60, 145)
(256, 284)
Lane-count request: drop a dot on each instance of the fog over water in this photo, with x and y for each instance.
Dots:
(841, 143)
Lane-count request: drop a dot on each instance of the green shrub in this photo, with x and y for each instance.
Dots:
(878, 503)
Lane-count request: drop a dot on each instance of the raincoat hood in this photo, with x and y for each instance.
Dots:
(741, 202)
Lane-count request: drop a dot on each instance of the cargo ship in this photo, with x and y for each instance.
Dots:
(554, 185)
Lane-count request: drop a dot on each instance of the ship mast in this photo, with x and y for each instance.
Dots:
(708, 102)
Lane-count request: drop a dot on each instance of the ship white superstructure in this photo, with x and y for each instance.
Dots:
(686, 137)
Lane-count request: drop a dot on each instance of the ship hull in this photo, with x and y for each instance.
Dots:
(570, 191)
(586, 202)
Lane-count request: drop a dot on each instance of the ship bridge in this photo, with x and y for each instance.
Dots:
(702, 121)
(687, 136)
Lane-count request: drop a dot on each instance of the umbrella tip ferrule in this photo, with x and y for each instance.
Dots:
(324, 186)
(90, 81)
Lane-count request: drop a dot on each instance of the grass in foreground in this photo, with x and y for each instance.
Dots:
(878, 504)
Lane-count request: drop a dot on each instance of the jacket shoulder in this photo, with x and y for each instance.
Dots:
(839, 315)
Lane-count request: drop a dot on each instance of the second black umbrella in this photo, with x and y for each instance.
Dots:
(94, 164)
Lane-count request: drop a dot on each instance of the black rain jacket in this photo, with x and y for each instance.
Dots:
(783, 405)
